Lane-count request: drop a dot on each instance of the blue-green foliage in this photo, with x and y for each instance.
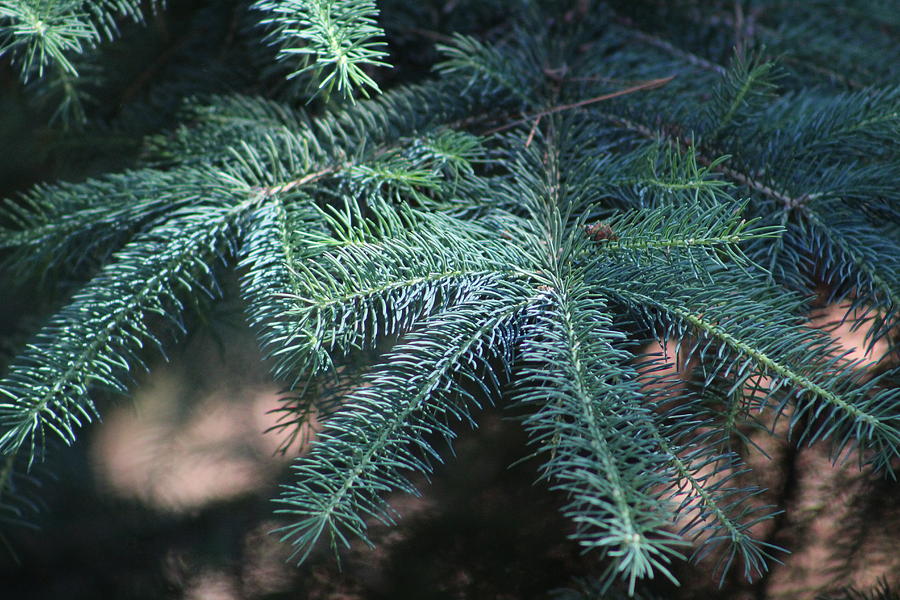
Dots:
(341, 36)
(512, 231)
(55, 43)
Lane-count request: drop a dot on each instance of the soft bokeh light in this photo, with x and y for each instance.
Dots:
(194, 436)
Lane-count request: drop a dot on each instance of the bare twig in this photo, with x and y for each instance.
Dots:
(647, 85)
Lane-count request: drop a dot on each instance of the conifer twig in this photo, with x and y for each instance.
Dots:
(653, 40)
(647, 85)
(744, 179)
(308, 178)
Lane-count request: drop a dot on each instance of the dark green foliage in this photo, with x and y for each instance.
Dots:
(572, 183)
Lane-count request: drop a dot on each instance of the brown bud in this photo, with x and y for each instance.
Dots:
(600, 232)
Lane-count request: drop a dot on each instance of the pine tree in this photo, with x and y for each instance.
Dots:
(570, 181)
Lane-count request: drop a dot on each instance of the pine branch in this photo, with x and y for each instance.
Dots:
(40, 34)
(587, 418)
(95, 340)
(47, 40)
(341, 37)
(383, 427)
(715, 511)
(66, 227)
(691, 234)
(400, 269)
(367, 279)
(857, 262)
(489, 68)
(750, 334)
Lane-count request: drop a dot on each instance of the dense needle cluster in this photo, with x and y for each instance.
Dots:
(572, 181)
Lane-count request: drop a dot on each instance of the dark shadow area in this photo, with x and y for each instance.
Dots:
(481, 531)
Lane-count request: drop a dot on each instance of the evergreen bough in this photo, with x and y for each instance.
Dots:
(574, 180)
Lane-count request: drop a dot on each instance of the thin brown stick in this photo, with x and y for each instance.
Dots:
(286, 187)
(532, 132)
(432, 35)
(647, 85)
